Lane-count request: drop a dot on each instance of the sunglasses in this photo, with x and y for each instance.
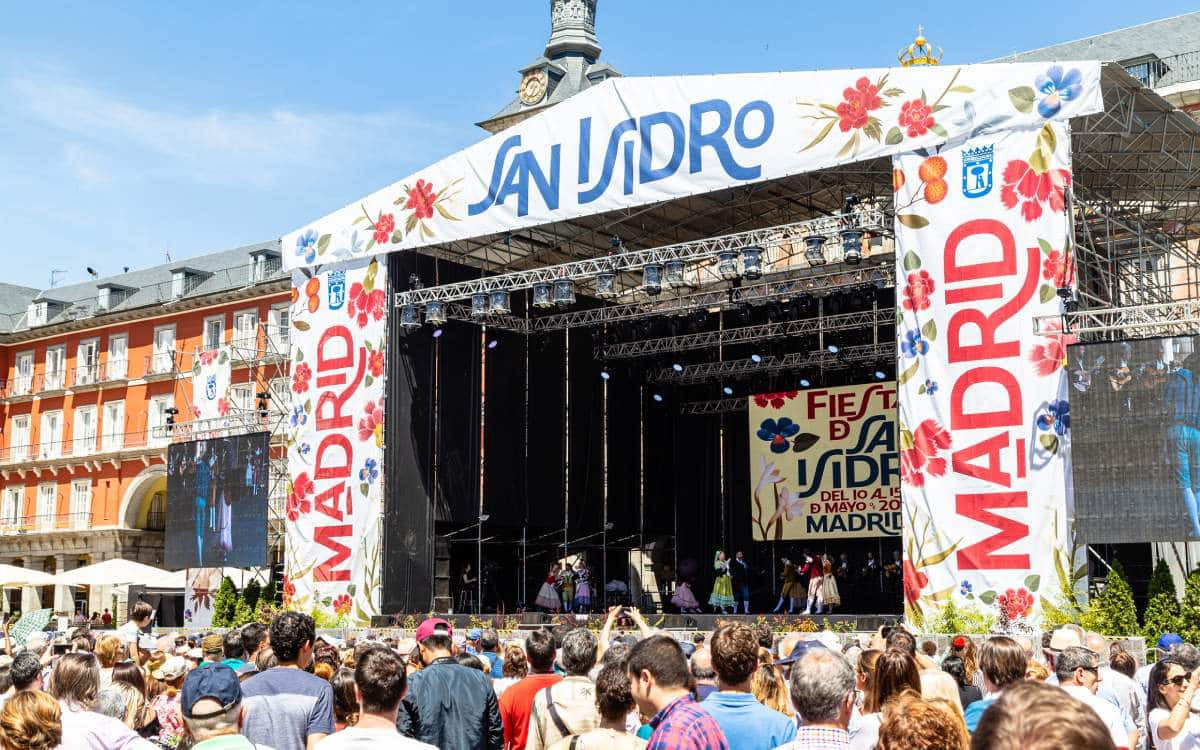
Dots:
(1179, 680)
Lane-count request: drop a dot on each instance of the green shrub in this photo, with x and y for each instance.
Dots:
(225, 604)
(1113, 612)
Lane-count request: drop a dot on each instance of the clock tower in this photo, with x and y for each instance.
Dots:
(569, 64)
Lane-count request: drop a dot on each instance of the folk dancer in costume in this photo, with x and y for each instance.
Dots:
(583, 587)
(790, 590)
(829, 588)
(721, 598)
(815, 570)
(566, 585)
(739, 571)
(547, 597)
(685, 599)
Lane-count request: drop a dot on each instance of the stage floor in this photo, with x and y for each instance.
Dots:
(701, 622)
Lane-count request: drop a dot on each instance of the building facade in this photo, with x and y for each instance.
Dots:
(95, 383)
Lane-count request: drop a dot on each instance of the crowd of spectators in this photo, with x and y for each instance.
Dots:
(568, 688)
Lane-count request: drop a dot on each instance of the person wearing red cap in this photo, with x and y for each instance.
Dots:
(448, 705)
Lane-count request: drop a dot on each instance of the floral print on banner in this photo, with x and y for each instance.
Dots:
(338, 300)
(212, 376)
(945, 542)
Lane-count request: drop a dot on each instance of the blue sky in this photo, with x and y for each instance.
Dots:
(129, 130)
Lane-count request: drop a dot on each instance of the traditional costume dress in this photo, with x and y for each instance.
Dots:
(567, 587)
(722, 593)
(583, 590)
(547, 597)
(684, 598)
(829, 589)
(790, 591)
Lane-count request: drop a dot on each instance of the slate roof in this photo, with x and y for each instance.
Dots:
(1163, 38)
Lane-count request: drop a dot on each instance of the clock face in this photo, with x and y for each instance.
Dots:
(533, 87)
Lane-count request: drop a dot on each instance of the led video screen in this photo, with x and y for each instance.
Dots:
(1134, 428)
(217, 502)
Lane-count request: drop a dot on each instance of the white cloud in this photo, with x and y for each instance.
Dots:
(259, 149)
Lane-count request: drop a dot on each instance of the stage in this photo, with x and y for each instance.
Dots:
(673, 622)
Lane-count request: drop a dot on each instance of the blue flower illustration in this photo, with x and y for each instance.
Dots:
(777, 432)
(304, 449)
(931, 387)
(306, 246)
(369, 472)
(299, 416)
(964, 588)
(1056, 87)
(914, 344)
(1057, 416)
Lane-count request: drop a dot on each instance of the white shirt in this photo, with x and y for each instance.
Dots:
(1126, 691)
(1109, 714)
(353, 738)
(1187, 739)
(130, 632)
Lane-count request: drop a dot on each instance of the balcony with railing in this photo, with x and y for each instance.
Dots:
(41, 523)
(98, 374)
(49, 452)
(162, 365)
(51, 382)
(1160, 73)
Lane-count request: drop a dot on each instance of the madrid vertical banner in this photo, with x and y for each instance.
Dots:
(335, 440)
(983, 245)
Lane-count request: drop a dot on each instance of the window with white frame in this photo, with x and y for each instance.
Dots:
(12, 506)
(281, 395)
(118, 356)
(51, 434)
(87, 362)
(245, 329)
(241, 397)
(163, 359)
(81, 503)
(84, 438)
(178, 283)
(36, 313)
(56, 367)
(278, 320)
(47, 502)
(18, 441)
(214, 332)
(157, 419)
(114, 426)
(23, 382)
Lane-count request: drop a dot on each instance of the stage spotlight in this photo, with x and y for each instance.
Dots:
(564, 292)
(814, 249)
(606, 284)
(437, 333)
(832, 349)
(674, 275)
(727, 267)
(479, 305)
(752, 262)
(728, 391)
(804, 383)
(541, 297)
(880, 375)
(435, 313)
(410, 316)
(652, 278)
(756, 358)
(501, 304)
(677, 367)
(605, 374)
(852, 246)
(493, 344)
(657, 397)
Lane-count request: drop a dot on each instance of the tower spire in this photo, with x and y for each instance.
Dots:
(573, 29)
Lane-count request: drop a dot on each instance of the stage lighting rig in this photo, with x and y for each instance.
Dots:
(652, 279)
(410, 316)
(435, 313)
(727, 265)
(606, 284)
(674, 275)
(752, 260)
(501, 302)
(814, 249)
(564, 292)
(479, 305)
(541, 297)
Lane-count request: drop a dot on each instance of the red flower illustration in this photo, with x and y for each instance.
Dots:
(1047, 358)
(208, 357)
(928, 441)
(375, 363)
(1015, 603)
(384, 226)
(916, 117)
(343, 604)
(1032, 189)
(775, 400)
(365, 305)
(289, 591)
(864, 97)
(300, 377)
(222, 407)
(297, 500)
(372, 423)
(1058, 268)
(917, 290)
(421, 200)
(914, 581)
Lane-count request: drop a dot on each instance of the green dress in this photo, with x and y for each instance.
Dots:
(722, 593)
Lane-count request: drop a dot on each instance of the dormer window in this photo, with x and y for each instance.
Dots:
(40, 311)
(184, 280)
(263, 265)
(109, 296)
(178, 283)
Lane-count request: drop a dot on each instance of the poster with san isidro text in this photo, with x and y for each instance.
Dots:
(824, 463)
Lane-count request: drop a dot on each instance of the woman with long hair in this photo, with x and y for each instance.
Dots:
(864, 676)
(965, 649)
(769, 687)
(31, 720)
(515, 668)
(547, 598)
(721, 598)
(1169, 719)
(109, 650)
(957, 668)
(345, 700)
(895, 672)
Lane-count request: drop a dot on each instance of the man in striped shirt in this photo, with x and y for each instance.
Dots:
(658, 676)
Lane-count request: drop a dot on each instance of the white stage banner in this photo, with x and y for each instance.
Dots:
(212, 373)
(983, 244)
(202, 585)
(636, 141)
(335, 441)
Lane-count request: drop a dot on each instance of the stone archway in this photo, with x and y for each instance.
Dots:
(135, 505)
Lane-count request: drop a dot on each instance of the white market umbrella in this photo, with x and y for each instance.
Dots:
(111, 573)
(12, 576)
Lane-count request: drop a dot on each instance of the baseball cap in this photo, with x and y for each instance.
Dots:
(800, 649)
(474, 634)
(170, 669)
(216, 681)
(1064, 638)
(434, 626)
(195, 654)
(1167, 640)
(213, 644)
